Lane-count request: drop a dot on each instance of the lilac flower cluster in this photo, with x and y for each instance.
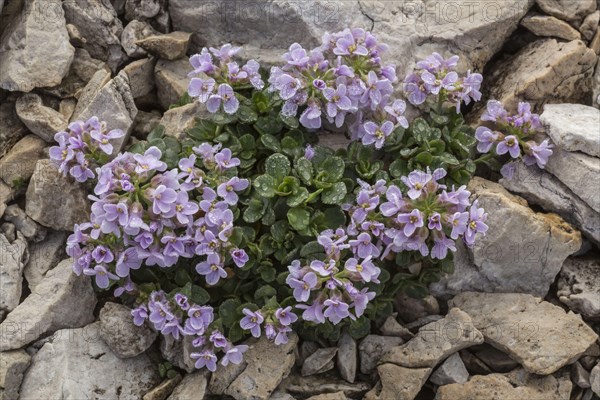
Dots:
(82, 146)
(437, 77)
(333, 288)
(219, 75)
(277, 323)
(178, 317)
(511, 136)
(143, 214)
(428, 220)
(341, 78)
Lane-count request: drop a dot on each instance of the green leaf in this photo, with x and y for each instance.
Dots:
(199, 295)
(298, 218)
(289, 121)
(334, 218)
(255, 211)
(425, 158)
(279, 229)
(415, 290)
(437, 146)
(265, 291)
(268, 274)
(270, 142)
(182, 277)
(448, 159)
(265, 185)
(360, 327)
(334, 168)
(277, 166)
(420, 130)
(297, 198)
(247, 114)
(227, 312)
(311, 249)
(399, 168)
(269, 124)
(334, 194)
(157, 133)
(304, 169)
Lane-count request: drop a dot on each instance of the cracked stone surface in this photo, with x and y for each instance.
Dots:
(118, 331)
(17, 166)
(579, 286)
(76, 363)
(13, 365)
(547, 337)
(398, 382)
(573, 127)
(13, 255)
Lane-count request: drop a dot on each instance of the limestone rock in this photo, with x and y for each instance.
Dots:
(547, 338)
(192, 387)
(522, 252)
(99, 25)
(306, 386)
(171, 80)
(573, 127)
(328, 396)
(118, 331)
(595, 379)
(54, 201)
(542, 188)
(134, 31)
(13, 365)
(410, 309)
(44, 256)
(494, 358)
(76, 363)
(163, 390)
(35, 39)
(178, 352)
(171, 46)
(568, 10)
(579, 286)
(41, 120)
(145, 123)
(12, 128)
(267, 365)
(178, 120)
(579, 172)
(347, 357)
(61, 300)
(13, 255)
(436, 341)
(516, 385)
(113, 102)
(319, 361)
(398, 382)
(545, 71)
(391, 327)
(6, 195)
(17, 166)
(596, 79)
(141, 77)
(372, 348)
(590, 25)
(595, 43)
(451, 371)
(580, 376)
(143, 8)
(543, 25)
(25, 225)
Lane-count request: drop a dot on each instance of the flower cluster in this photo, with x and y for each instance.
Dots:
(216, 82)
(144, 214)
(437, 77)
(429, 220)
(277, 323)
(176, 316)
(513, 135)
(83, 146)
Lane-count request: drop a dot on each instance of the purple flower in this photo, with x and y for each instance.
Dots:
(311, 117)
(313, 312)
(337, 101)
(435, 221)
(363, 246)
(376, 90)
(288, 86)
(471, 87)
(309, 152)
(360, 298)
(139, 315)
(225, 160)
(346, 45)
(163, 199)
(366, 269)
(218, 339)
(239, 256)
(539, 154)
(510, 144)
(199, 318)
(281, 337)
(296, 56)
(396, 110)
(226, 95)
(234, 354)
(149, 161)
(377, 134)
(160, 315)
(252, 321)
(394, 203)
(416, 182)
(81, 171)
(336, 310)
(182, 301)
(102, 275)
(486, 138)
(206, 359)
(412, 221)
(477, 217)
(252, 69)
(495, 112)
(103, 140)
(434, 85)
(202, 63)
(285, 316)
(227, 190)
(184, 209)
(458, 221)
(127, 261)
(414, 87)
(201, 88)
(365, 203)
(441, 247)
(211, 269)
(303, 286)
(508, 170)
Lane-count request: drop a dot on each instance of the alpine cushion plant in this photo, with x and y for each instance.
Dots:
(250, 227)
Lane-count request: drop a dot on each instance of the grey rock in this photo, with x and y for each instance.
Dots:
(144, 123)
(141, 77)
(279, 394)
(171, 80)
(579, 172)
(595, 379)
(522, 252)
(410, 309)
(13, 255)
(595, 43)
(12, 128)
(6, 195)
(178, 120)
(329, 396)
(372, 348)
(596, 80)
(28, 227)
(436, 341)
(170, 46)
(306, 386)
(143, 8)
(473, 364)
(75, 36)
(98, 23)
(548, 337)
(580, 376)
(192, 387)
(41, 120)
(347, 357)
(134, 31)
(579, 286)
(573, 127)
(43, 256)
(515, 385)
(398, 382)
(305, 350)
(267, 365)
(162, 391)
(61, 300)
(544, 25)
(13, 365)
(421, 322)
(67, 107)
(590, 25)
(495, 359)
(9, 231)
(17, 166)
(391, 327)
(544, 189)
(118, 331)
(61, 369)
(54, 201)
(568, 10)
(451, 371)
(224, 376)
(178, 352)
(91, 89)
(317, 362)
(33, 40)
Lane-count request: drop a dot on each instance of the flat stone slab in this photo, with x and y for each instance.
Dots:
(573, 127)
